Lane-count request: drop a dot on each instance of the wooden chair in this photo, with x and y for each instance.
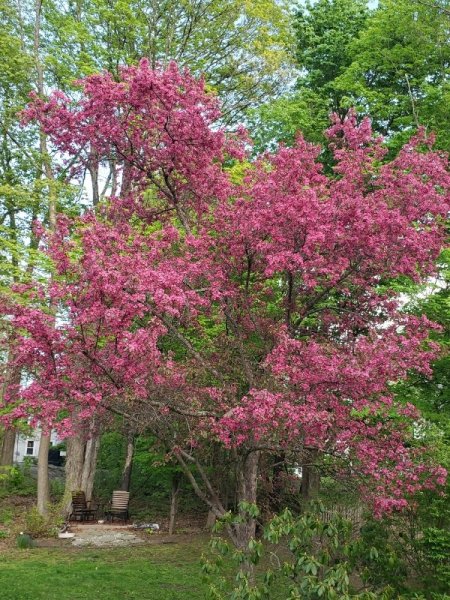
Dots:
(81, 509)
(119, 506)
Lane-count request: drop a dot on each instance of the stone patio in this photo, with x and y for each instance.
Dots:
(105, 535)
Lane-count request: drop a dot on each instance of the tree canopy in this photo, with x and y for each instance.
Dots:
(253, 311)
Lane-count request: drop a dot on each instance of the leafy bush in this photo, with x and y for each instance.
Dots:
(309, 556)
(435, 546)
(57, 489)
(16, 480)
(377, 556)
(39, 526)
(406, 554)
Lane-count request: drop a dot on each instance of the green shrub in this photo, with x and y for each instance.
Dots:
(35, 523)
(309, 558)
(377, 556)
(435, 546)
(39, 526)
(17, 481)
(404, 553)
(24, 541)
(57, 489)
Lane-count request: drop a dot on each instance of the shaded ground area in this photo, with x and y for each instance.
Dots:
(156, 570)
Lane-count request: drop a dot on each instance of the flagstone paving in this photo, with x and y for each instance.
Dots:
(105, 535)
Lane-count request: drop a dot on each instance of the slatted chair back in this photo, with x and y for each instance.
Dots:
(81, 509)
(79, 503)
(120, 500)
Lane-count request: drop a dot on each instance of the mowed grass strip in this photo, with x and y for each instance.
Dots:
(157, 572)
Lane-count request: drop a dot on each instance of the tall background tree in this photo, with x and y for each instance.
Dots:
(400, 69)
(390, 62)
(325, 33)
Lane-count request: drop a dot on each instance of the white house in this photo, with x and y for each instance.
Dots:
(28, 445)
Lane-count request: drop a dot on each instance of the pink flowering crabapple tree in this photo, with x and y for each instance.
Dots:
(258, 315)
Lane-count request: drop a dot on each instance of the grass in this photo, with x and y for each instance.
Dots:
(159, 572)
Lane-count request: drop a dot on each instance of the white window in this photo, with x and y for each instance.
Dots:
(30, 447)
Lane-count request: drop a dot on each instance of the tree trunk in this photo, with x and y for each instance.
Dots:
(93, 170)
(125, 187)
(210, 519)
(113, 178)
(10, 385)
(176, 481)
(74, 462)
(247, 467)
(81, 463)
(89, 465)
(43, 487)
(8, 444)
(128, 465)
(246, 493)
(310, 477)
(226, 482)
(223, 480)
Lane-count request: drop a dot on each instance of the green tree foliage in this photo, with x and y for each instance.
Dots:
(325, 31)
(152, 476)
(242, 47)
(391, 63)
(283, 118)
(18, 195)
(24, 190)
(400, 69)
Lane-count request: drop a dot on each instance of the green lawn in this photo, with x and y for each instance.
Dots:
(159, 572)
